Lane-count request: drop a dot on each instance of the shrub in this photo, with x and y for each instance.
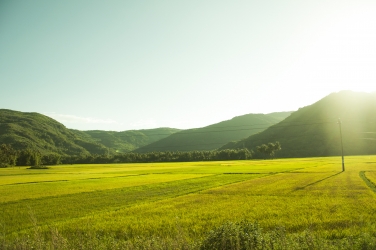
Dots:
(239, 236)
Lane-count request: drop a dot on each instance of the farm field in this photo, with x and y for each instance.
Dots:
(183, 202)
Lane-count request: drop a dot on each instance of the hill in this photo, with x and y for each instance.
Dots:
(215, 135)
(126, 141)
(32, 130)
(35, 131)
(314, 130)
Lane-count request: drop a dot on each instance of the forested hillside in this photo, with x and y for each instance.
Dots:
(315, 130)
(216, 135)
(38, 132)
(34, 131)
(126, 141)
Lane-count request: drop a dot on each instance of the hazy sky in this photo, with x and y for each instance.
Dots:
(120, 65)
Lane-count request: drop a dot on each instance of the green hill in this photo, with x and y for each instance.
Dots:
(216, 135)
(36, 131)
(314, 130)
(127, 141)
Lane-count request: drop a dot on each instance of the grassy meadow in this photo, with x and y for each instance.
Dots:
(176, 205)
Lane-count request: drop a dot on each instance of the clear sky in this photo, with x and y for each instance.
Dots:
(121, 65)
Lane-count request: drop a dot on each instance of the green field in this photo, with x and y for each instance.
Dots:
(180, 203)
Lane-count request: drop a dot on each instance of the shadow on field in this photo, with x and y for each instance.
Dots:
(313, 183)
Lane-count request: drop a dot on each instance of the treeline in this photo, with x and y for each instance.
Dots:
(26, 157)
(269, 149)
(30, 157)
(228, 154)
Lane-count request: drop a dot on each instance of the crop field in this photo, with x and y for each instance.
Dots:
(171, 201)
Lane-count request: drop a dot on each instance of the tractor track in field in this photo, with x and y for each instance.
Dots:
(369, 183)
(60, 207)
(66, 180)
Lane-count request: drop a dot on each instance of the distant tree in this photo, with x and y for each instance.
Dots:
(8, 156)
(273, 147)
(51, 159)
(245, 154)
(269, 149)
(262, 149)
(36, 158)
(24, 157)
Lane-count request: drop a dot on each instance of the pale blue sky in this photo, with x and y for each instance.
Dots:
(120, 65)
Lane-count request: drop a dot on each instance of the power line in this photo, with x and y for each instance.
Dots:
(187, 132)
(316, 136)
(249, 128)
(224, 143)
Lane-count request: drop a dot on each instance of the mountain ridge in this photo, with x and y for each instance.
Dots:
(36, 131)
(215, 135)
(32, 130)
(314, 130)
(310, 131)
(128, 140)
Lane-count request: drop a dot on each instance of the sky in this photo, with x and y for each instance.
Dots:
(124, 65)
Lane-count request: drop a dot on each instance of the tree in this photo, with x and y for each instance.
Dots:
(272, 148)
(8, 156)
(24, 157)
(36, 158)
(262, 149)
(51, 159)
(269, 149)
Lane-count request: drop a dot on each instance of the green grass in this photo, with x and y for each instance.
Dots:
(16, 192)
(63, 207)
(129, 201)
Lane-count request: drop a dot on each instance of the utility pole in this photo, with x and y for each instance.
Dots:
(340, 133)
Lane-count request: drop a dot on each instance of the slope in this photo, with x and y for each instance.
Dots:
(314, 130)
(32, 130)
(126, 141)
(216, 135)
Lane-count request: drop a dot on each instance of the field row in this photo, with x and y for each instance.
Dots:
(81, 172)
(19, 215)
(59, 188)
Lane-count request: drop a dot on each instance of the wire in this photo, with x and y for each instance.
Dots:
(148, 147)
(192, 131)
(250, 127)
(188, 132)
